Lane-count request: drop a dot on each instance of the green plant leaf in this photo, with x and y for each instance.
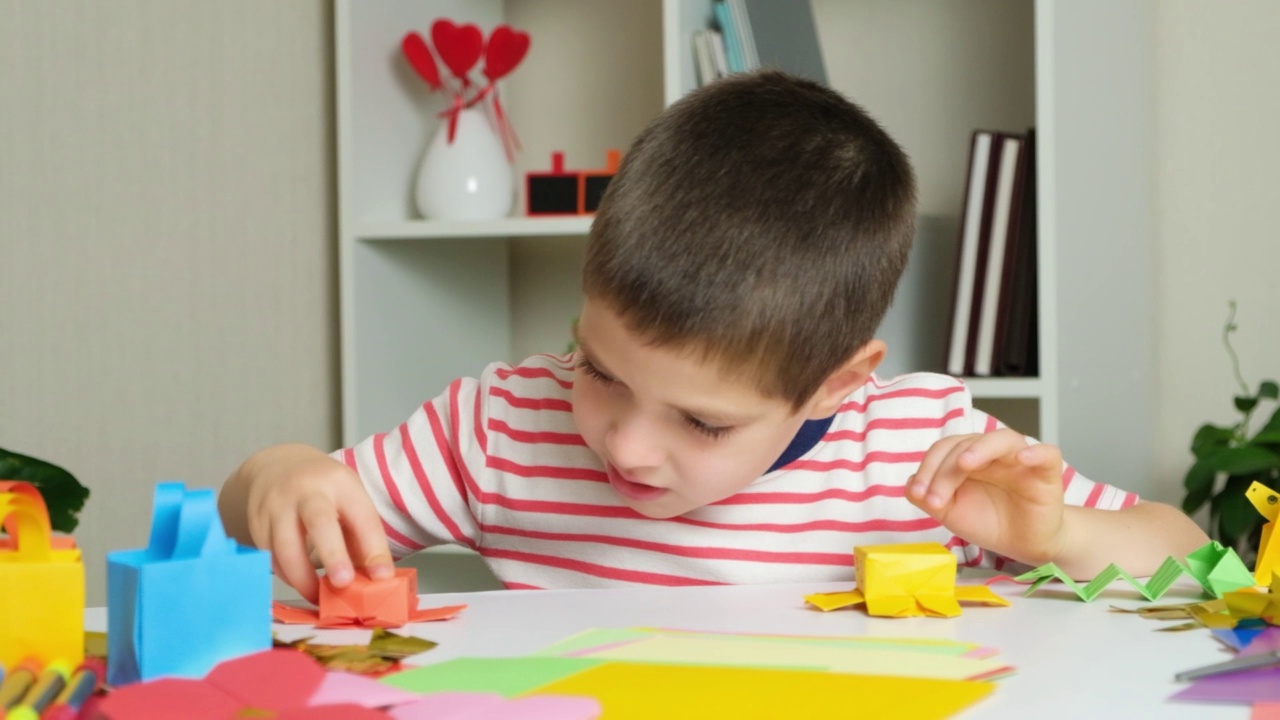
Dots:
(1236, 515)
(63, 494)
(1269, 389)
(1210, 437)
(1243, 460)
(1199, 485)
(1246, 403)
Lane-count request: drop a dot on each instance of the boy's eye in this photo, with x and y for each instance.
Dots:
(711, 431)
(594, 372)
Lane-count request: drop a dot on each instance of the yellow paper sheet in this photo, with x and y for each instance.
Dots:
(708, 650)
(672, 692)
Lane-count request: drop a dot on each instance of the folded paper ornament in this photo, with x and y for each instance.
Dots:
(906, 580)
(41, 583)
(366, 602)
(190, 599)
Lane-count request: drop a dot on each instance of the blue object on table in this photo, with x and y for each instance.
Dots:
(189, 600)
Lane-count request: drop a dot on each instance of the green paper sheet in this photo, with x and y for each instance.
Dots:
(507, 677)
(1218, 569)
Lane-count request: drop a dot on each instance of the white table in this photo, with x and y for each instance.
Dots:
(1073, 659)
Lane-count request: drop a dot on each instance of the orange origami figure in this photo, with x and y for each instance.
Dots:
(366, 602)
(906, 580)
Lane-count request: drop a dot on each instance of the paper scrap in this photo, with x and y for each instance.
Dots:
(483, 706)
(1246, 686)
(507, 677)
(1217, 569)
(589, 641)
(708, 691)
(263, 684)
(801, 656)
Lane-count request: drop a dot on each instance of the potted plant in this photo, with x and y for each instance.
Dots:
(63, 494)
(1230, 458)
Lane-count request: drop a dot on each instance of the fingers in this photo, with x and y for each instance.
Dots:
(365, 537)
(953, 460)
(319, 517)
(289, 557)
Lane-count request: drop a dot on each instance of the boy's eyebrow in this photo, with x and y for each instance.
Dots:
(707, 415)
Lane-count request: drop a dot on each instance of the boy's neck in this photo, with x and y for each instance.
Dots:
(809, 435)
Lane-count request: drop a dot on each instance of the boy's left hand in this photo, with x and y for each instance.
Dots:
(996, 491)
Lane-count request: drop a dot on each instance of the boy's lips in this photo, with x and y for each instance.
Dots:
(631, 490)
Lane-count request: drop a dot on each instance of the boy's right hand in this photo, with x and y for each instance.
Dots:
(297, 501)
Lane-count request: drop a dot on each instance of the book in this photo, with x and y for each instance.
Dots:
(1006, 206)
(1017, 336)
(732, 43)
(972, 230)
(703, 59)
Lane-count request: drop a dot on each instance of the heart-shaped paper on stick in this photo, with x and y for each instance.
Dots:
(459, 47)
(507, 47)
(419, 56)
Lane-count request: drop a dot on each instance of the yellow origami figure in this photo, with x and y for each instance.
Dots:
(41, 583)
(1267, 502)
(905, 581)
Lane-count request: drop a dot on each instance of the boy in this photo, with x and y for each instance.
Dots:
(720, 421)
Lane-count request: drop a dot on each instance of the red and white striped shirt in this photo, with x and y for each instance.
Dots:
(497, 465)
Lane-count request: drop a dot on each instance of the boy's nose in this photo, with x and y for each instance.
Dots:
(632, 443)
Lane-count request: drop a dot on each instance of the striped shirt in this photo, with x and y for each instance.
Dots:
(496, 464)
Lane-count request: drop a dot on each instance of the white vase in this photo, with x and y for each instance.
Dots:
(469, 178)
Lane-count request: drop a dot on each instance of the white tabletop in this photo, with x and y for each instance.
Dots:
(1073, 659)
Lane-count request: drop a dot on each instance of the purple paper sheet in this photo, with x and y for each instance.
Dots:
(1247, 686)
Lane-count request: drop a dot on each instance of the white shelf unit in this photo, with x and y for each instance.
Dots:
(423, 302)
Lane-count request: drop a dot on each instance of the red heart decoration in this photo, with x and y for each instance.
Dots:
(507, 47)
(420, 59)
(459, 46)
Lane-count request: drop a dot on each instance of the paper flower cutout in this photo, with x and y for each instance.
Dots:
(281, 684)
(366, 602)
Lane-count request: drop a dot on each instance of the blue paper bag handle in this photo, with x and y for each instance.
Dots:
(185, 525)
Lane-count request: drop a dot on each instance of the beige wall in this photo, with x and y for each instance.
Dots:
(167, 289)
(167, 261)
(1218, 154)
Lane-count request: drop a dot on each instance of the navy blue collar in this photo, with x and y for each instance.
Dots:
(809, 434)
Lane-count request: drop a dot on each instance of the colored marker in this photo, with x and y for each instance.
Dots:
(83, 682)
(17, 683)
(47, 687)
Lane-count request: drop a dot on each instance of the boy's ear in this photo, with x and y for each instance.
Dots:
(846, 379)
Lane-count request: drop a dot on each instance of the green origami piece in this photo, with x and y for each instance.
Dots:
(1218, 569)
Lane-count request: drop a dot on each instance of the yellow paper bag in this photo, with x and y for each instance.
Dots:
(41, 586)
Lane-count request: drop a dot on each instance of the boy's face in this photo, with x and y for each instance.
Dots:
(673, 432)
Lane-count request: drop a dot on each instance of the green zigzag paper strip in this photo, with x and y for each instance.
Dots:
(1218, 569)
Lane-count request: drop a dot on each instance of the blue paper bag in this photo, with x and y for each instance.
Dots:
(188, 601)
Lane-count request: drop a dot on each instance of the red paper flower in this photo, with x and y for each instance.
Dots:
(270, 684)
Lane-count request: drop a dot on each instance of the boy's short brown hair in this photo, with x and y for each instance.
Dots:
(762, 223)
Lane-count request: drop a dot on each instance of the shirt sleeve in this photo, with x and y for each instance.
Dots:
(422, 475)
